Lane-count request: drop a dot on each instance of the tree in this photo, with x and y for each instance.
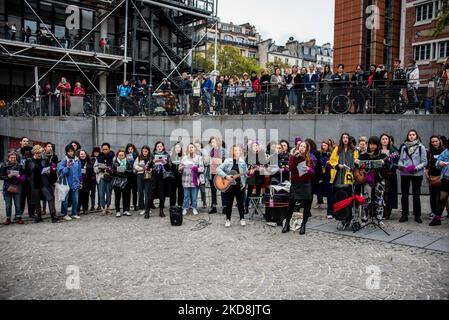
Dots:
(230, 61)
(277, 63)
(443, 19)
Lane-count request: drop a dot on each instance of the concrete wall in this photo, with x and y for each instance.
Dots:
(120, 131)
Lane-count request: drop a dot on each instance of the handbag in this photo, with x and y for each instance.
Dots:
(147, 175)
(168, 175)
(107, 177)
(435, 181)
(13, 188)
(61, 190)
(119, 183)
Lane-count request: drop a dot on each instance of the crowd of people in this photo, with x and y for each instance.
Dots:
(33, 176)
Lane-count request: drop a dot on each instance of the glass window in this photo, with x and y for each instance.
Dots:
(444, 49)
(306, 50)
(87, 19)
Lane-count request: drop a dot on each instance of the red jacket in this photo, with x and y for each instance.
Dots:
(257, 88)
(293, 162)
(79, 92)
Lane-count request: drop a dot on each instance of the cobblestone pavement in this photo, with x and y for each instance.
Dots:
(133, 258)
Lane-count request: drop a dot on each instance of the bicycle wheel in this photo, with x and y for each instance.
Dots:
(309, 103)
(399, 107)
(17, 109)
(340, 104)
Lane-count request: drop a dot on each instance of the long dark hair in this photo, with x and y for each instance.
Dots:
(341, 146)
(312, 144)
(431, 148)
(389, 140)
(376, 141)
(134, 148)
(141, 157)
(87, 155)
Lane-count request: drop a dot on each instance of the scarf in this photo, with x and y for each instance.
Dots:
(411, 146)
(122, 163)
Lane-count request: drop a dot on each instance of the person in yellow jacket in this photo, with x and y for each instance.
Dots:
(342, 161)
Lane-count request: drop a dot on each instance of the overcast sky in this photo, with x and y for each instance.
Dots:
(281, 19)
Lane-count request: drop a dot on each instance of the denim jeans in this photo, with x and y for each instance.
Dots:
(190, 193)
(105, 193)
(73, 194)
(184, 103)
(9, 198)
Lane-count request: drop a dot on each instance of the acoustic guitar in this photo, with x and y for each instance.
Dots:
(223, 185)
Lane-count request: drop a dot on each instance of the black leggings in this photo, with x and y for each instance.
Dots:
(434, 198)
(306, 204)
(176, 188)
(238, 193)
(444, 195)
(157, 188)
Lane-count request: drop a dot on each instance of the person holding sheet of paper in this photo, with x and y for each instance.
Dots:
(302, 171)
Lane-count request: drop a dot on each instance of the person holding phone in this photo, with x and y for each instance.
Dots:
(103, 170)
(160, 163)
(302, 171)
(69, 170)
(342, 161)
(88, 176)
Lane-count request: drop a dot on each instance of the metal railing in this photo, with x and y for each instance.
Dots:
(319, 98)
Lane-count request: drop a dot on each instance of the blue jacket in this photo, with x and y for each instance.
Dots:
(207, 86)
(73, 174)
(311, 81)
(226, 167)
(445, 158)
(124, 91)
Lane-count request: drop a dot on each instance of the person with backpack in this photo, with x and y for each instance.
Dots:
(412, 161)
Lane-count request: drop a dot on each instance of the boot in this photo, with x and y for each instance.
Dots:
(286, 227)
(403, 218)
(213, 210)
(302, 230)
(161, 213)
(147, 215)
(54, 218)
(436, 221)
(38, 218)
(246, 210)
(387, 214)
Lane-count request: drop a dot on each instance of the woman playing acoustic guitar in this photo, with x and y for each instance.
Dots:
(234, 171)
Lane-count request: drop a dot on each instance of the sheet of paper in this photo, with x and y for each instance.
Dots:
(302, 168)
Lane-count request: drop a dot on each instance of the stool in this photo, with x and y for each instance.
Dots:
(255, 201)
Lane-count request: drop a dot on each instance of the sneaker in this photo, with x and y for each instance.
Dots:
(228, 223)
(403, 219)
(118, 215)
(7, 222)
(213, 210)
(142, 213)
(127, 213)
(184, 212)
(317, 206)
(330, 217)
(204, 205)
(431, 215)
(243, 222)
(76, 217)
(67, 218)
(195, 212)
(435, 222)
(19, 220)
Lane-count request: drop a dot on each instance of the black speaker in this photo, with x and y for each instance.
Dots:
(342, 192)
(176, 216)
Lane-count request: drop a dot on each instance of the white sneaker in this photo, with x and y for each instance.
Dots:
(228, 223)
(330, 217)
(67, 218)
(76, 217)
(243, 222)
(184, 212)
(317, 206)
(195, 212)
(118, 215)
(126, 213)
(142, 213)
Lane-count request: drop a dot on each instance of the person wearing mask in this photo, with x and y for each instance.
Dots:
(255, 159)
(103, 171)
(412, 75)
(176, 186)
(143, 172)
(131, 155)
(302, 171)
(13, 175)
(190, 167)
(69, 169)
(122, 192)
(160, 163)
(433, 173)
(64, 89)
(235, 163)
(412, 161)
(88, 177)
(442, 164)
(389, 172)
(78, 91)
(95, 187)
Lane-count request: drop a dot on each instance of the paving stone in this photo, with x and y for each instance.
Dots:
(381, 236)
(417, 240)
(440, 245)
